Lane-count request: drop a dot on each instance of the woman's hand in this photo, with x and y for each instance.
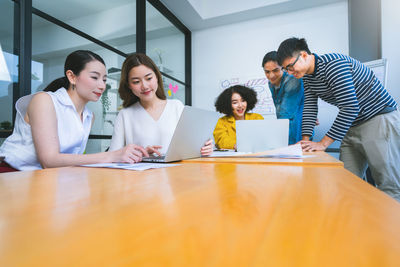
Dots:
(129, 154)
(154, 149)
(207, 149)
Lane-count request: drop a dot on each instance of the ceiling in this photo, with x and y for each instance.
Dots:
(202, 14)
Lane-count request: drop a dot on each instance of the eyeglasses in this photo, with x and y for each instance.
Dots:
(290, 67)
(275, 71)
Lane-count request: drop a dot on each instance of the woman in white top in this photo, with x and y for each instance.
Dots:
(52, 127)
(148, 118)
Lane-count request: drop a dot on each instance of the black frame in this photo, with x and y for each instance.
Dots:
(188, 48)
(23, 11)
(141, 26)
(76, 31)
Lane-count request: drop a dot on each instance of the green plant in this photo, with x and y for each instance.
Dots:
(105, 100)
(5, 125)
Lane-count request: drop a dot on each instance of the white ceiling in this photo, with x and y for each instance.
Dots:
(202, 14)
(211, 9)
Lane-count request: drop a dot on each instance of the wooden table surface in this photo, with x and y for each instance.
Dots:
(196, 215)
(319, 158)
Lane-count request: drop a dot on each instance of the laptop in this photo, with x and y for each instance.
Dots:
(261, 135)
(194, 128)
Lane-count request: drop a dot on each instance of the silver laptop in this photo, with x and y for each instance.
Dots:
(261, 135)
(194, 128)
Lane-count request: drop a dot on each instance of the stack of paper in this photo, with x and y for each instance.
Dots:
(127, 166)
(288, 152)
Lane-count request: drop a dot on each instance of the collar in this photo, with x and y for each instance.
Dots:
(232, 119)
(315, 64)
(247, 116)
(64, 98)
(284, 75)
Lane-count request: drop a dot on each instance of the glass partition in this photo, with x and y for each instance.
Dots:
(165, 44)
(8, 66)
(105, 27)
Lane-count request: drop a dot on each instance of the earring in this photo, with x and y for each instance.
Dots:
(73, 86)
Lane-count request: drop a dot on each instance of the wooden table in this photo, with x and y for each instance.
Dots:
(196, 215)
(319, 158)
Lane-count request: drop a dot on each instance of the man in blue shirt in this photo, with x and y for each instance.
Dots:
(368, 122)
(287, 93)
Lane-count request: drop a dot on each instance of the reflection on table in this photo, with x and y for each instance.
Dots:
(211, 214)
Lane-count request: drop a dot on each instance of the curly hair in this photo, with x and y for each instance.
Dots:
(134, 60)
(223, 103)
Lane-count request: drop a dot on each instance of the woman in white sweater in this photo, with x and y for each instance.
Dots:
(148, 118)
(52, 127)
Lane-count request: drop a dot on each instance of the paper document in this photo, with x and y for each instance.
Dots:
(134, 167)
(288, 152)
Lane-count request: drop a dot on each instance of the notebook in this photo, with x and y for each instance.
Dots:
(261, 135)
(194, 128)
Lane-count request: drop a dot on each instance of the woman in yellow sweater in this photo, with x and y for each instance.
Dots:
(234, 102)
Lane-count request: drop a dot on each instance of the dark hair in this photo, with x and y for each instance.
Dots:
(291, 46)
(75, 62)
(134, 60)
(223, 103)
(270, 56)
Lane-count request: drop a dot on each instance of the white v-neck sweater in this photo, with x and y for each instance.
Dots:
(134, 125)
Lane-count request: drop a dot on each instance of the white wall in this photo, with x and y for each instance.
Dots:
(390, 45)
(238, 49)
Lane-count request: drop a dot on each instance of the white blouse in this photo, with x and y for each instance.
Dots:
(19, 149)
(134, 125)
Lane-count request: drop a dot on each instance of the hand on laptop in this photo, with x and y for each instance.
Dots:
(207, 149)
(153, 149)
(131, 154)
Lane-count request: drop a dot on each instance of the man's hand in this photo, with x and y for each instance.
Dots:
(310, 146)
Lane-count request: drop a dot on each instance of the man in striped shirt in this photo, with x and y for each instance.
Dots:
(368, 122)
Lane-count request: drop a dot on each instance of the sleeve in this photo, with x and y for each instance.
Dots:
(293, 86)
(310, 111)
(222, 137)
(118, 137)
(301, 92)
(340, 80)
(180, 106)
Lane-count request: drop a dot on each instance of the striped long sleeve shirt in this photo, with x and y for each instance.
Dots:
(347, 84)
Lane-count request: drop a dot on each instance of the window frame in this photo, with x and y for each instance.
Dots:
(23, 11)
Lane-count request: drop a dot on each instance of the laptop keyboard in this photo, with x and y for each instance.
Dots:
(154, 158)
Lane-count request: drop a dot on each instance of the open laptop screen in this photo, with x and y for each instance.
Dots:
(261, 135)
(194, 128)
